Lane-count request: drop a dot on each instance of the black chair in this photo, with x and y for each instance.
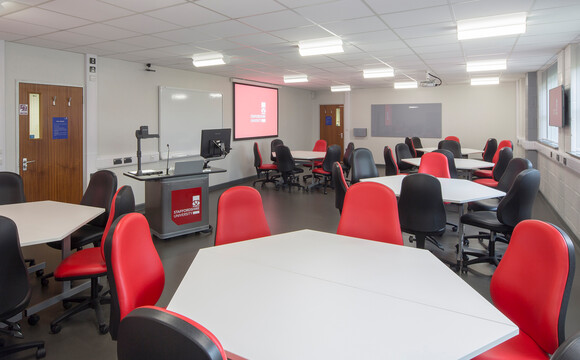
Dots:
(451, 145)
(402, 152)
(14, 287)
(515, 207)
(363, 165)
(273, 145)
(489, 149)
(569, 349)
(515, 166)
(340, 186)
(417, 144)
(421, 209)
(505, 156)
(450, 162)
(262, 168)
(411, 145)
(332, 156)
(346, 159)
(391, 167)
(287, 168)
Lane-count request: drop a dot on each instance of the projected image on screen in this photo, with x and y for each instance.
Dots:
(255, 111)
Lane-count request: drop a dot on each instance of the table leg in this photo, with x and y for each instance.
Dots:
(460, 233)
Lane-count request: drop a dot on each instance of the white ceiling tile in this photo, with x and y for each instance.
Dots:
(26, 29)
(438, 14)
(36, 41)
(432, 40)
(103, 31)
(375, 37)
(217, 45)
(182, 50)
(276, 21)
(86, 9)
(185, 36)
(356, 26)
(301, 3)
(143, 5)
(256, 39)
(551, 16)
(142, 24)
(439, 29)
(89, 50)
(238, 9)
(482, 8)
(114, 47)
(10, 7)
(554, 28)
(384, 7)
(227, 29)
(10, 36)
(47, 18)
(71, 38)
(187, 15)
(301, 33)
(148, 54)
(546, 4)
(339, 10)
(148, 42)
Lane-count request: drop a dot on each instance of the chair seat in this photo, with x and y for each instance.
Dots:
(487, 182)
(520, 347)
(485, 173)
(268, 167)
(82, 264)
(322, 172)
(484, 205)
(487, 220)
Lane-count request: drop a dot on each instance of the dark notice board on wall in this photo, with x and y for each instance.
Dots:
(401, 120)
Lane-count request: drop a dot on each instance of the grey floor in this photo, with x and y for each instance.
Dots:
(79, 338)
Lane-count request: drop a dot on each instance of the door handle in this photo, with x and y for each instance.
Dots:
(342, 135)
(25, 163)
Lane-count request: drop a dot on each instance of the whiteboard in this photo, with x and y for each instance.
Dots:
(183, 113)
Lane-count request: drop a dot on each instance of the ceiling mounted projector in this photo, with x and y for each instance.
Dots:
(432, 81)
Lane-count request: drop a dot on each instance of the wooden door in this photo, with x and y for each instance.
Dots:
(332, 125)
(51, 142)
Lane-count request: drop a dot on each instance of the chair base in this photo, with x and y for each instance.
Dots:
(420, 239)
(488, 256)
(38, 345)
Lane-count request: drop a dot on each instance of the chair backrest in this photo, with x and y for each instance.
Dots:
(13, 272)
(517, 204)
(332, 156)
(11, 188)
(489, 149)
(151, 332)
(421, 206)
(417, 142)
(123, 203)
(411, 146)
(532, 282)
(452, 146)
(102, 186)
(134, 269)
(340, 185)
(346, 159)
(240, 216)
(514, 167)
(284, 159)
(452, 138)
(450, 162)
(273, 145)
(502, 144)
(391, 167)
(320, 145)
(257, 156)
(402, 152)
(370, 212)
(505, 155)
(435, 164)
(363, 165)
(569, 349)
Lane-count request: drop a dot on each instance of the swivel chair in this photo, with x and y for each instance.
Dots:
(489, 149)
(452, 138)
(340, 186)
(319, 145)
(90, 264)
(325, 171)
(402, 152)
(451, 145)
(532, 286)
(505, 156)
(421, 209)
(435, 164)
(240, 216)
(418, 145)
(411, 146)
(273, 145)
(346, 159)
(515, 207)
(287, 168)
(363, 165)
(154, 333)
(370, 212)
(450, 162)
(266, 169)
(483, 173)
(391, 167)
(134, 269)
(15, 288)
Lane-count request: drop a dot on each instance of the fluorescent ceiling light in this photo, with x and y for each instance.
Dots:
(378, 73)
(208, 59)
(288, 79)
(330, 45)
(340, 88)
(487, 65)
(485, 81)
(501, 25)
(406, 85)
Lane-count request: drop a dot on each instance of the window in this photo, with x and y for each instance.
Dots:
(548, 80)
(574, 101)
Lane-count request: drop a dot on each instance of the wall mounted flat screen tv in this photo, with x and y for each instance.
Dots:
(255, 111)
(556, 106)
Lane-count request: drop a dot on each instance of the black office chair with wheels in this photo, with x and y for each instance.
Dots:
(363, 165)
(505, 156)
(325, 171)
(346, 159)
(515, 207)
(451, 145)
(391, 167)
(411, 145)
(402, 152)
(421, 209)
(489, 149)
(287, 168)
(273, 145)
(340, 186)
(14, 287)
(418, 145)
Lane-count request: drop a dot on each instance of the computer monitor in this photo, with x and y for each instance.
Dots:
(215, 143)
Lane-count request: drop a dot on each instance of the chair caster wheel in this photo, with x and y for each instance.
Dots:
(66, 304)
(33, 319)
(44, 282)
(40, 353)
(103, 329)
(39, 273)
(55, 329)
(454, 229)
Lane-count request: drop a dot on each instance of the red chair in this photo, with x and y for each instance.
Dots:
(262, 168)
(319, 145)
(487, 173)
(435, 164)
(451, 137)
(240, 216)
(505, 156)
(325, 171)
(134, 269)
(90, 264)
(370, 212)
(151, 332)
(532, 286)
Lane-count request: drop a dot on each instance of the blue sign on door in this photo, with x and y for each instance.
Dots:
(328, 120)
(59, 128)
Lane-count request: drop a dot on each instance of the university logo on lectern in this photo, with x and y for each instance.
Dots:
(186, 206)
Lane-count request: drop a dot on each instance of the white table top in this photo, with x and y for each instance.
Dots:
(464, 151)
(312, 295)
(40, 222)
(458, 191)
(461, 164)
(306, 155)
